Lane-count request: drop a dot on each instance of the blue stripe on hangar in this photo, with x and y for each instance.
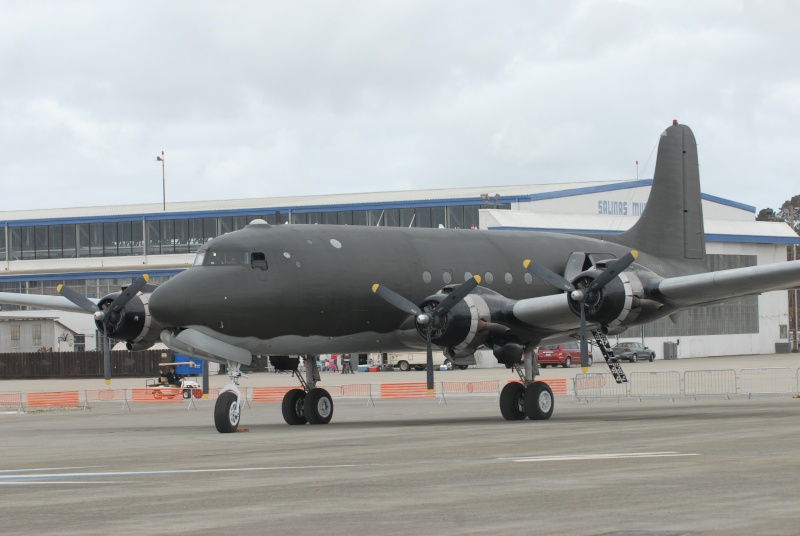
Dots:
(749, 239)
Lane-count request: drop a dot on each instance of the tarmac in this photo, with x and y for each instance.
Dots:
(655, 467)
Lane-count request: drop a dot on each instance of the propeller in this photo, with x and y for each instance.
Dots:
(431, 315)
(584, 294)
(108, 315)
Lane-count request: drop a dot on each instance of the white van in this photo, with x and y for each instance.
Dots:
(419, 360)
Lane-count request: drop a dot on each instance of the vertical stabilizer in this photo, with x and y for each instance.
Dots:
(671, 225)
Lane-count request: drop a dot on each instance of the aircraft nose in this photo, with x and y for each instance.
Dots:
(168, 304)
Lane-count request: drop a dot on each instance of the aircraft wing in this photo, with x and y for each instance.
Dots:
(714, 286)
(59, 303)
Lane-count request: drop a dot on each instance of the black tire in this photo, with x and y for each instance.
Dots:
(403, 365)
(568, 363)
(187, 394)
(634, 358)
(512, 401)
(293, 407)
(539, 401)
(318, 406)
(543, 366)
(652, 357)
(227, 413)
(463, 367)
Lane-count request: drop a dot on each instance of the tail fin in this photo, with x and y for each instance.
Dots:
(671, 225)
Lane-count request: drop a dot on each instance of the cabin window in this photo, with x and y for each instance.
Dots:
(259, 261)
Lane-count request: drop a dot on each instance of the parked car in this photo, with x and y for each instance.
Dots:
(565, 354)
(633, 351)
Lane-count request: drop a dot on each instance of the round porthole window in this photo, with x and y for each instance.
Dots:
(287, 254)
(489, 278)
(447, 277)
(335, 243)
(426, 277)
(509, 278)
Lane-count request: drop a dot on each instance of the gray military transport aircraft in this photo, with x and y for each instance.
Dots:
(311, 289)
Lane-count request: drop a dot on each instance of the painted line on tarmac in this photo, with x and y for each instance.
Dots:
(35, 469)
(17, 478)
(613, 456)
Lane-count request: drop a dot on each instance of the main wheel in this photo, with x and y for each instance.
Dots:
(226, 413)
(539, 401)
(512, 401)
(403, 365)
(293, 407)
(318, 406)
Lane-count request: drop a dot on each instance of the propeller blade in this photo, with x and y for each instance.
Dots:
(430, 360)
(106, 356)
(78, 299)
(393, 298)
(548, 276)
(127, 295)
(584, 342)
(457, 295)
(613, 270)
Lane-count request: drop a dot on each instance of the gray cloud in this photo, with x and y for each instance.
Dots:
(254, 99)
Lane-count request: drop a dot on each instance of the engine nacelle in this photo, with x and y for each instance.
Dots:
(133, 324)
(619, 304)
(468, 325)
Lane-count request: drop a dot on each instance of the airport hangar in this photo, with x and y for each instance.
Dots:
(95, 250)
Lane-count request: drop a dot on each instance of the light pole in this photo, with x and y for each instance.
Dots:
(163, 179)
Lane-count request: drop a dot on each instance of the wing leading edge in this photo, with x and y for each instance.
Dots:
(689, 290)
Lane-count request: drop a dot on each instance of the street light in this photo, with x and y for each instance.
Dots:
(163, 178)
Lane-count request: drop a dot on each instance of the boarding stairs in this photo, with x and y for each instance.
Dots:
(605, 348)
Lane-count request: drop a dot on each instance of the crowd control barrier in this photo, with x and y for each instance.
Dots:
(359, 390)
(709, 383)
(772, 380)
(655, 384)
(483, 388)
(9, 401)
(106, 395)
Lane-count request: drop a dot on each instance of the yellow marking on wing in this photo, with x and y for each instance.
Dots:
(375, 287)
(526, 263)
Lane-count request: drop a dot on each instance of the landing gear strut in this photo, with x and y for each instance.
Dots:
(311, 404)
(526, 398)
(227, 410)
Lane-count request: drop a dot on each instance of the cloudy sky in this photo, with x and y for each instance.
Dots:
(264, 98)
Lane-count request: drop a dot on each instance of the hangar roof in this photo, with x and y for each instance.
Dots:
(467, 195)
(715, 230)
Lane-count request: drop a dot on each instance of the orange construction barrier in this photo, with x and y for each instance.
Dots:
(270, 394)
(405, 390)
(157, 396)
(53, 399)
(557, 385)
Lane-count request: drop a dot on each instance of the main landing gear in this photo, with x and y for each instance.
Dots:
(526, 398)
(311, 404)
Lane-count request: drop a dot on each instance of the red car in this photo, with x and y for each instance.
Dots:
(564, 354)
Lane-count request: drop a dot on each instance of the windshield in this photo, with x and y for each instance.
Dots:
(215, 258)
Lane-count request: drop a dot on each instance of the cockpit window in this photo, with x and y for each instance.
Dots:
(198, 260)
(228, 258)
(259, 261)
